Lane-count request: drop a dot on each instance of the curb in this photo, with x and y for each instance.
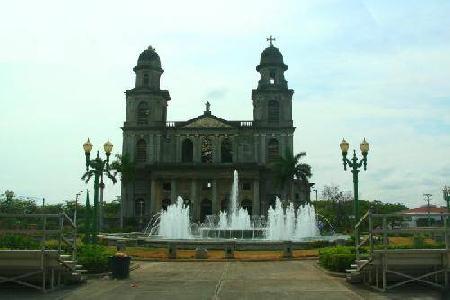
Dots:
(100, 275)
(220, 259)
(330, 273)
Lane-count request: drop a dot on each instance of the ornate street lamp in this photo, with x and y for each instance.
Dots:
(355, 165)
(97, 167)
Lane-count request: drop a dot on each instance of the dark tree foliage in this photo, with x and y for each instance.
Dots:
(288, 168)
(336, 210)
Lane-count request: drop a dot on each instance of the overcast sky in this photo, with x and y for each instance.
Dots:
(374, 69)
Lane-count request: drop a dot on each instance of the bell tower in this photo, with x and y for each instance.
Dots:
(272, 99)
(147, 103)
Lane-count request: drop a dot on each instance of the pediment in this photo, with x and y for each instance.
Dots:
(207, 122)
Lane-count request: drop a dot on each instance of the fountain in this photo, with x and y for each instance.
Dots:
(282, 223)
(174, 222)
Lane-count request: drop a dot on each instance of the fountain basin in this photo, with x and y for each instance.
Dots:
(214, 233)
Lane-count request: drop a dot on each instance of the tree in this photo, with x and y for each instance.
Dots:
(288, 168)
(127, 169)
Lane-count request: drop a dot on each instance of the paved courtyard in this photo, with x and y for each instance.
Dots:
(223, 280)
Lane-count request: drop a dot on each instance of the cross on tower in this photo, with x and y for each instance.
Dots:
(270, 39)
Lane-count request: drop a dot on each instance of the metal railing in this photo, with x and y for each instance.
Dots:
(384, 230)
(45, 230)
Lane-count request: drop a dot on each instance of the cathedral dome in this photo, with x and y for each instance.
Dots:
(271, 56)
(149, 57)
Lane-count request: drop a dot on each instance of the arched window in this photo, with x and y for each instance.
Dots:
(206, 209)
(272, 149)
(141, 151)
(272, 77)
(146, 80)
(247, 204)
(165, 203)
(224, 205)
(226, 151)
(273, 111)
(225, 202)
(206, 150)
(187, 151)
(142, 113)
(139, 207)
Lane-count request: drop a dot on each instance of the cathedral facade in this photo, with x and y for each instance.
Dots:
(195, 159)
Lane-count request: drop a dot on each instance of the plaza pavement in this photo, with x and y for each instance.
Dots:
(222, 280)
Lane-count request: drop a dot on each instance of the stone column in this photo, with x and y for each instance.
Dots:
(151, 148)
(129, 211)
(194, 201)
(215, 204)
(158, 148)
(153, 202)
(263, 148)
(256, 200)
(217, 149)
(196, 148)
(236, 156)
(256, 154)
(147, 199)
(177, 148)
(290, 142)
(173, 191)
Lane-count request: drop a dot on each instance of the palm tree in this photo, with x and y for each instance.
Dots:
(288, 168)
(127, 169)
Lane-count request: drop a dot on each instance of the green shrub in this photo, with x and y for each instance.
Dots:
(337, 258)
(17, 241)
(94, 258)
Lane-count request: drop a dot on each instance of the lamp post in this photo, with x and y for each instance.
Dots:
(76, 206)
(97, 167)
(428, 196)
(355, 165)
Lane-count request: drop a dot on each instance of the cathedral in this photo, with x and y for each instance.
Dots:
(195, 159)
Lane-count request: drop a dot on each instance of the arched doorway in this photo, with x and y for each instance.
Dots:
(205, 209)
(165, 203)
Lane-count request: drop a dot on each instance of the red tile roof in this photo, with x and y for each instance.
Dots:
(424, 210)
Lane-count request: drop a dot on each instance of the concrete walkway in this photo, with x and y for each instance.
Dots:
(225, 280)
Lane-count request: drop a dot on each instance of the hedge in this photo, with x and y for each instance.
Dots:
(337, 258)
(94, 258)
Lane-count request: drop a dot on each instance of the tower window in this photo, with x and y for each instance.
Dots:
(272, 77)
(206, 150)
(141, 151)
(273, 111)
(142, 113)
(146, 80)
(246, 186)
(206, 185)
(226, 151)
(187, 151)
(272, 149)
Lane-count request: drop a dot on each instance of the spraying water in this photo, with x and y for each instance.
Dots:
(174, 222)
(237, 217)
(283, 224)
